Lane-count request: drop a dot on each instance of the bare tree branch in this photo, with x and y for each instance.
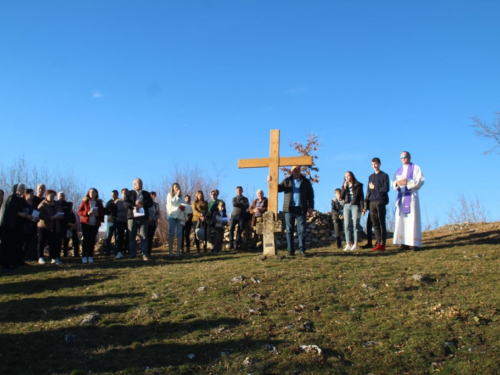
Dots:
(489, 131)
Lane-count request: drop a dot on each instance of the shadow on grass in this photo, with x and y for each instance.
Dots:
(472, 239)
(59, 308)
(51, 284)
(120, 347)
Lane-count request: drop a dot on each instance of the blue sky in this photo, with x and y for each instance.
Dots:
(115, 90)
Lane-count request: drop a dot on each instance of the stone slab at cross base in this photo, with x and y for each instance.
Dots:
(267, 228)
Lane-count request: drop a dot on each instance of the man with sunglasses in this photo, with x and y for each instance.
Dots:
(407, 180)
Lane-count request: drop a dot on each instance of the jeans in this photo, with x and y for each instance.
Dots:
(174, 225)
(295, 213)
(122, 231)
(138, 227)
(151, 234)
(377, 214)
(46, 237)
(89, 237)
(351, 222)
(111, 230)
(240, 220)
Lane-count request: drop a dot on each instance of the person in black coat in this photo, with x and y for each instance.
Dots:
(138, 202)
(12, 225)
(353, 197)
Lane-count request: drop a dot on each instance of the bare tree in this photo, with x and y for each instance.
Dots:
(489, 131)
(467, 210)
(191, 179)
(20, 171)
(309, 149)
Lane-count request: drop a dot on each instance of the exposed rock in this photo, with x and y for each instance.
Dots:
(90, 319)
(238, 279)
(311, 349)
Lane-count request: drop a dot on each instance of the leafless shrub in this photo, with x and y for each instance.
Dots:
(430, 224)
(466, 209)
(191, 179)
(30, 175)
(489, 131)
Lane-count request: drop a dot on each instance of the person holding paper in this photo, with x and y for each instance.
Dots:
(138, 202)
(408, 180)
(175, 217)
(51, 216)
(91, 212)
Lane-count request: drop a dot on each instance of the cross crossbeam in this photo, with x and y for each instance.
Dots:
(274, 162)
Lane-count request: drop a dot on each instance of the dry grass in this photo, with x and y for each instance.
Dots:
(369, 313)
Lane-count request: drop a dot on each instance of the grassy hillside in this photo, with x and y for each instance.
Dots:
(436, 310)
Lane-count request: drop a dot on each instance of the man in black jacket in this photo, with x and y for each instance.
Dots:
(378, 188)
(138, 202)
(238, 216)
(298, 204)
(111, 210)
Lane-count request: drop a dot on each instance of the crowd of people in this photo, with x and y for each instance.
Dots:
(29, 222)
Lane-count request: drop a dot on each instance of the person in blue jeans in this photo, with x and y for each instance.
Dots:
(353, 197)
(298, 203)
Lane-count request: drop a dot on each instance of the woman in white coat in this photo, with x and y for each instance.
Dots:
(175, 216)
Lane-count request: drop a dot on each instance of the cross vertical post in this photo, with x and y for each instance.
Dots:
(270, 224)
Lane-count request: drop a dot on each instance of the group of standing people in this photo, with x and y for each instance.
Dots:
(29, 222)
(350, 203)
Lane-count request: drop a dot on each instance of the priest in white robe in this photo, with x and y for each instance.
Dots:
(407, 181)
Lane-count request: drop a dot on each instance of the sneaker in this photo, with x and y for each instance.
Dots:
(91, 260)
(84, 260)
(347, 247)
(302, 254)
(381, 247)
(119, 255)
(56, 261)
(41, 261)
(376, 248)
(354, 247)
(145, 257)
(291, 254)
(367, 246)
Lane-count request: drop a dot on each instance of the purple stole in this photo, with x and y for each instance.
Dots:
(407, 193)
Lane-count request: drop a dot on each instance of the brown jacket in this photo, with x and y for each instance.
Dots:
(253, 206)
(47, 212)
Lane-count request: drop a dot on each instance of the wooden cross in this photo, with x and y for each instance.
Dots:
(274, 161)
(269, 224)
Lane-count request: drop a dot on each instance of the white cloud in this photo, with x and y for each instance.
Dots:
(97, 94)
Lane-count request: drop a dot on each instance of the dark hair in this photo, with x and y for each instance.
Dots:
(376, 160)
(2, 192)
(124, 190)
(239, 187)
(153, 193)
(96, 191)
(50, 191)
(187, 196)
(337, 189)
(353, 177)
(408, 153)
(114, 192)
(28, 191)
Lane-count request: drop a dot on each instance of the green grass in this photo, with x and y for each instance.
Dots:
(447, 324)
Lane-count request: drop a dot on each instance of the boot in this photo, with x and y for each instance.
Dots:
(170, 246)
(179, 247)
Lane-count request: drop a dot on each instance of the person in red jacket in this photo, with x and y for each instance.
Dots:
(91, 212)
